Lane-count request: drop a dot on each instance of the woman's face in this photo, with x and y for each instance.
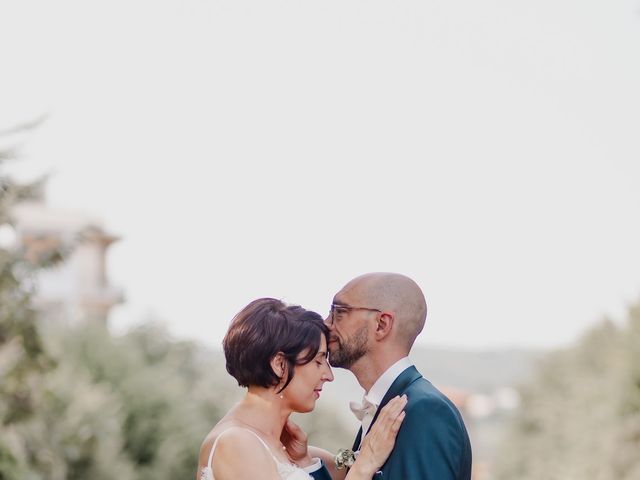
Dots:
(304, 389)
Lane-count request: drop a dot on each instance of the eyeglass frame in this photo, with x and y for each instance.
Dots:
(349, 308)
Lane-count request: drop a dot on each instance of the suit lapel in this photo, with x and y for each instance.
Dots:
(398, 387)
(356, 444)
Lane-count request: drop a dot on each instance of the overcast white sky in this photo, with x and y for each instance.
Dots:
(489, 149)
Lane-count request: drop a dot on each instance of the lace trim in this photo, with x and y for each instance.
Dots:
(206, 474)
(286, 468)
(284, 471)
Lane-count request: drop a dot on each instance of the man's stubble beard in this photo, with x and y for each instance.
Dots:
(352, 350)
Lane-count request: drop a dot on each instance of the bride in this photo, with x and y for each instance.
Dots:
(279, 352)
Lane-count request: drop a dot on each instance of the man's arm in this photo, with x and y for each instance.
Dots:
(328, 460)
(321, 474)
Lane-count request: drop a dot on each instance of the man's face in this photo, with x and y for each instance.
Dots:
(348, 330)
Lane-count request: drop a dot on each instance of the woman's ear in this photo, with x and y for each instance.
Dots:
(279, 364)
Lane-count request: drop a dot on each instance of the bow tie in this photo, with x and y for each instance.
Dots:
(361, 410)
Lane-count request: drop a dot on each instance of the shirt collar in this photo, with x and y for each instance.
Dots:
(379, 389)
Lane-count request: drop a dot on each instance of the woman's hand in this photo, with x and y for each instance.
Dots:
(294, 440)
(379, 442)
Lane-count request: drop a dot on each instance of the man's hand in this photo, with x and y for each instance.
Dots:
(294, 440)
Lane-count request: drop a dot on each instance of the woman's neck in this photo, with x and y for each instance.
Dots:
(263, 410)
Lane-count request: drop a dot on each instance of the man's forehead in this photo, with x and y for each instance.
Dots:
(347, 295)
(338, 298)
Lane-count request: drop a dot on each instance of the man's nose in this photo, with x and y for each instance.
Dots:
(328, 322)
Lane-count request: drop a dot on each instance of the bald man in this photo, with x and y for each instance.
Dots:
(373, 324)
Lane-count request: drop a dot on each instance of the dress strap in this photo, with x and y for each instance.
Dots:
(213, 447)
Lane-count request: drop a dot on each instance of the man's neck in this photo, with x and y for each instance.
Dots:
(369, 369)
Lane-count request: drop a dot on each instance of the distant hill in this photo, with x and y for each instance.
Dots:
(472, 371)
(478, 371)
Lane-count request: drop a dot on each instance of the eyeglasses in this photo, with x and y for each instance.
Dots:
(338, 311)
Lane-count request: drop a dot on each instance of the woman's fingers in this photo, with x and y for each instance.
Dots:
(294, 440)
(397, 423)
(390, 419)
(389, 414)
(396, 404)
(379, 442)
(295, 431)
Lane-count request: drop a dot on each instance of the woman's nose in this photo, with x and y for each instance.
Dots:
(328, 376)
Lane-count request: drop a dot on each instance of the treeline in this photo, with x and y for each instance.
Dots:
(133, 407)
(580, 417)
(80, 403)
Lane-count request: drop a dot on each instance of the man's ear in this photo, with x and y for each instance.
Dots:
(384, 325)
(279, 365)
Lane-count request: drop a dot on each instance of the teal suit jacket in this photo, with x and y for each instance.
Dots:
(432, 443)
(321, 474)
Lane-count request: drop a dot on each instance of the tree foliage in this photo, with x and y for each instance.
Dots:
(85, 404)
(23, 358)
(130, 407)
(580, 418)
(134, 407)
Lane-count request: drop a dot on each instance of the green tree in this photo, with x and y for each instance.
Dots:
(580, 418)
(23, 359)
(163, 395)
(131, 407)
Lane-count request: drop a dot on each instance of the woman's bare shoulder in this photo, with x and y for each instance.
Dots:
(239, 453)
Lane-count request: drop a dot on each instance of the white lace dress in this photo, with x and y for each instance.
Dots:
(286, 471)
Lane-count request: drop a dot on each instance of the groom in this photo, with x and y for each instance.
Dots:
(373, 324)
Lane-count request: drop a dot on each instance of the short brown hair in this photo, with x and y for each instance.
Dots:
(264, 328)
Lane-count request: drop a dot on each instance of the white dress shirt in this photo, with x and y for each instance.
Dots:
(379, 390)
